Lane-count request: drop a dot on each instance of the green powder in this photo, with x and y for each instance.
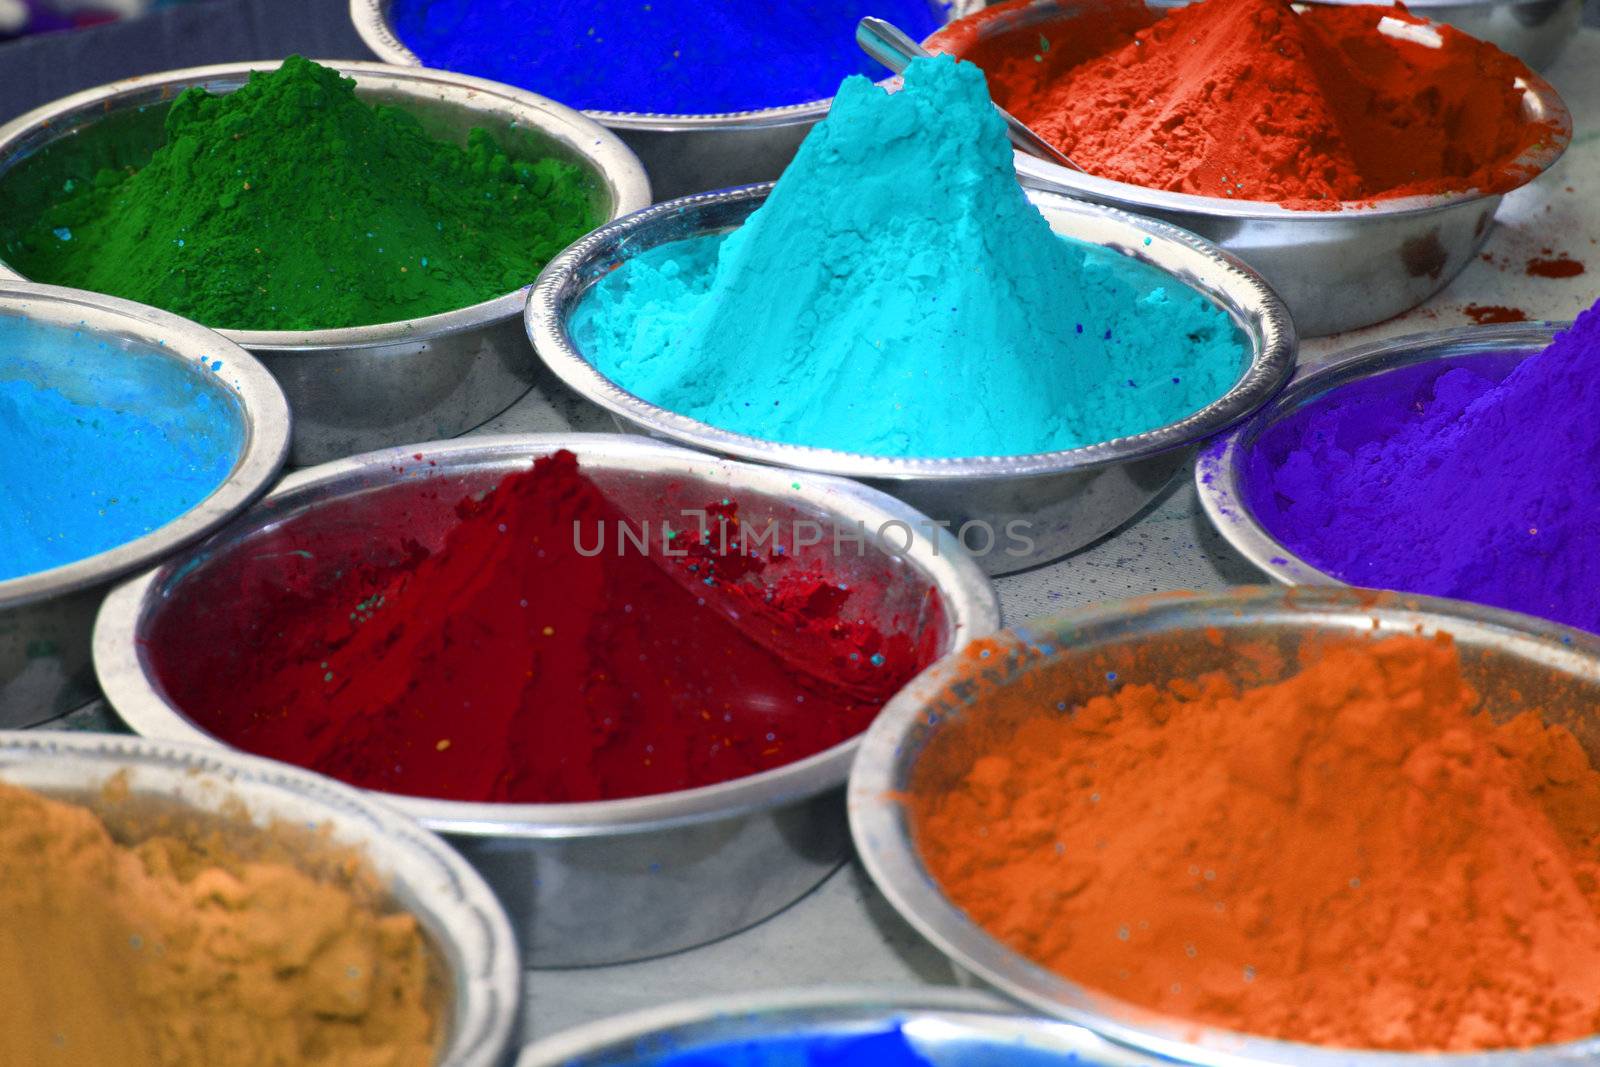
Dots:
(292, 205)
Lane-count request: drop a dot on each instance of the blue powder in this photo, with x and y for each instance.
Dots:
(102, 444)
(897, 295)
(884, 1047)
(691, 57)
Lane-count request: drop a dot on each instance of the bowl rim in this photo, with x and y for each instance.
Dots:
(472, 921)
(610, 162)
(1270, 336)
(796, 1010)
(887, 851)
(1221, 472)
(1534, 160)
(262, 450)
(371, 21)
(967, 598)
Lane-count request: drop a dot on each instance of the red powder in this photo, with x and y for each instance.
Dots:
(510, 666)
(1559, 267)
(1485, 314)
(1248, 100)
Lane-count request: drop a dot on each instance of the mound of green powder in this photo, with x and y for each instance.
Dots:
(898, 295)
(289, 204)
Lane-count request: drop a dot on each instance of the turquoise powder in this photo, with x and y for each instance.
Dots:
(897, 295)
(101, 445)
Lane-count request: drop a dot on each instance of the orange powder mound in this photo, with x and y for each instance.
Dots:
(1346, 857)
(173, 953)
(1248, 100)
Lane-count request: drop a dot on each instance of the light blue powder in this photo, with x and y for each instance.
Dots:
(102, 444)
(898, 295)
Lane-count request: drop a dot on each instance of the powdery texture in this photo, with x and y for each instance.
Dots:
(1346, 857)
(1250, 100)
(508, 666)
(289, 204)
(1460, 480)
(172, 953)
(898, 295)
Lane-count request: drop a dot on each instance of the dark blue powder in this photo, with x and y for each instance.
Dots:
(880, 1047)
(688, 57)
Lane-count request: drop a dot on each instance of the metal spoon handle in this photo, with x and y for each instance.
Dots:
(890, 45)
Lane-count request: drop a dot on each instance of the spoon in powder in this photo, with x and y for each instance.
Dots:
(889, 45)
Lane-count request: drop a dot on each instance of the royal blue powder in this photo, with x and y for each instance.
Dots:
(691, 57)
(889, 1046)
(1476, 478)
(101, 445)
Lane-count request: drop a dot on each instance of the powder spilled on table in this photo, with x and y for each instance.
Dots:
(290, 204)
(173, 950)
(518, 663)
(1345, 852)
(662, 57)
(1253, 100)
(898, 295)
(1476, 478)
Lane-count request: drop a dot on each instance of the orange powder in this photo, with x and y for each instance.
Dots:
(1349, 856)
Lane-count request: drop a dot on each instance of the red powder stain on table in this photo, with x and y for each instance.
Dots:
(1557, 267)
(509, 666)
(1485, 314)
(1246, 99)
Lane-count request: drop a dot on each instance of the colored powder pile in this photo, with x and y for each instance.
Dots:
(175, 951)
(106, 458)
(898, 295)
(1346, 856)
(1249, 99)
(538, 657)
(680, 57)
(1465, 479)
(290, 204)
(877, 1048)
(1562, 266)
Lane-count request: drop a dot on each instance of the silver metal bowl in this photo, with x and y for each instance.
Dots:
(1337, 270)
(1535, 31)
(948, 1028)
(1514, 661)
(1063, 500)
(684, 154)
(359, 387)
(596, 882)
(1221, 473)
(46, 617)
(466, 929)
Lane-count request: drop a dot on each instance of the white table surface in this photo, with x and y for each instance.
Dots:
(843, 932)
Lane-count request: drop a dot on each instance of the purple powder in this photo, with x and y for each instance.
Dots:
(1476, 478)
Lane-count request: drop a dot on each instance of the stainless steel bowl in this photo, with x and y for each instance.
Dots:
(1337, 270)
(614, 880)
(684, 154)
(46, 617)
(1514, 661)
(360, 387)
(948, 1028)
(1063, 500)
(1221, 472)
(466, 929)
(1535, 31)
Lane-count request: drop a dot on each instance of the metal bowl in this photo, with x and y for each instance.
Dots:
(1063, 500)
(1221, 472)
(467, 931)
(46, 617)
(1514, 661)
(595, 882)
(359, 387)
(1338, 270)
(949, 1028)
(683, 154)
(1535, 31)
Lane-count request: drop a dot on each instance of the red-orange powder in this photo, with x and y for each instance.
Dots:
(1349, 856)
(1555, 267)
(1248, 100)
(1488, 314)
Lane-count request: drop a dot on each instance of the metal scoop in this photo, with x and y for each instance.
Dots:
(889, 45)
